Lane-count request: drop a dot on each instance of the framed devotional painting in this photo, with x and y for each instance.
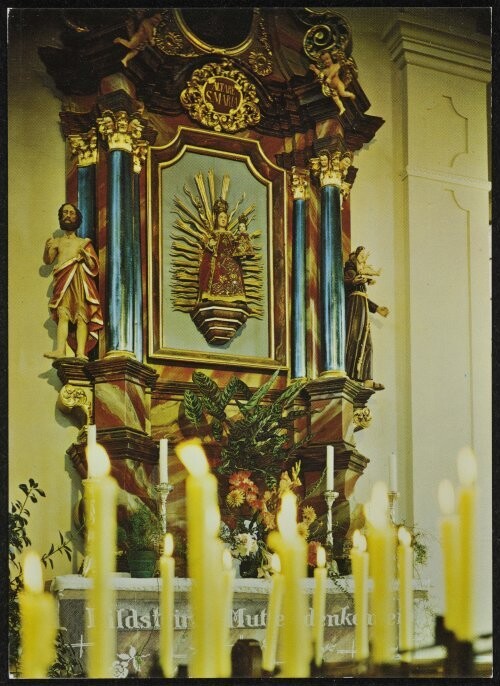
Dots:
(217, 275)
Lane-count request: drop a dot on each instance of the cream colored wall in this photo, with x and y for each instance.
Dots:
(430, 238)
(38, 433)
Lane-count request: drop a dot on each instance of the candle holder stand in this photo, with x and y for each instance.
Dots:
(163, 490)
(393, 497)
(330, 498)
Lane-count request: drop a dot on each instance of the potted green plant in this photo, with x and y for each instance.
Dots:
(140, 537)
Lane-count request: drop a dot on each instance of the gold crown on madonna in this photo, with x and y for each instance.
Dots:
(220, 205)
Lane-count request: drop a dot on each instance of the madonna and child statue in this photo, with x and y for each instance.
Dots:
(216, 262)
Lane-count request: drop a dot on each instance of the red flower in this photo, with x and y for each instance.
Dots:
(312, 551)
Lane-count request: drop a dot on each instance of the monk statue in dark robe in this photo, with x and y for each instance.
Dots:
(221, 274)
(74, 304)
(359, 352)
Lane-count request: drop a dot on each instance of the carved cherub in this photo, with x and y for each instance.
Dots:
(142, 37)
(335, 71)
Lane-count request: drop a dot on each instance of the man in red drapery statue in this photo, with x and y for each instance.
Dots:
(74, 304)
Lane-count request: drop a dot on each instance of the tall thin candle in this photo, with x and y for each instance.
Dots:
(167, 573)
(359, 561)
(449, 547)
(330, 467)
(292, 549)
(100, 501)
(405, 577)
(273, 616)
(226, 612)
(466, 517)
(38, 616)
(381, 547)
(163, 460)
(204, 560)
(319, 599)
(393, 473)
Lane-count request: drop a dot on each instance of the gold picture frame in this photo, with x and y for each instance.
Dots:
(172, 336)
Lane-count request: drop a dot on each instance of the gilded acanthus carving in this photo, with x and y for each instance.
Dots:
(362, 418)
(120, 130)
(84, 146)
(216, 262)
(299, 182)
(331, 167)
(220, 97)
(76, 398)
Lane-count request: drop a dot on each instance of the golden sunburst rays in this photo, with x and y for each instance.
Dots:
(194, 230)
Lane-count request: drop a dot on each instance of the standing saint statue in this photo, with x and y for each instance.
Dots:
(74, 304)
(221, 273)
(358, 359)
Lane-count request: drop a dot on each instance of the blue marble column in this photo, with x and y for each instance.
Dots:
(120, 263)
(331, 279)
(299, 276)
(331, 168)
(86, 202)
(137, 268)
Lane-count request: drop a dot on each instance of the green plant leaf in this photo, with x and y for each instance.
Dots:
(213, 408)
(206, 385)
(217, 429)
(227, 394)
(193, 407)
(260, 393)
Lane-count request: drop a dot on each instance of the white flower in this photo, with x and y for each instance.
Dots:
(244, 544)
(120, 670)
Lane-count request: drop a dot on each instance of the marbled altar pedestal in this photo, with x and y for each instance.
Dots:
(137, 617)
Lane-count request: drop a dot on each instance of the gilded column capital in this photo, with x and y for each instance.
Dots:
(139, 153)
(331, 167)
(120, 130)
(299, 182)
(84, 147)
(345, 189)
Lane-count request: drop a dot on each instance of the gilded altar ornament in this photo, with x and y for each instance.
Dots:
(335, 72)
(76, 398)
(84, 147)
(299, 181)
(220, 97)
(121, 131)
(216, 263)
(362, 418)
(329, 31)
(331, 167)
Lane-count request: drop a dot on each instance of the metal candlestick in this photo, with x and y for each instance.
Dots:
(163, 491)
(330, 498)
(393, 496)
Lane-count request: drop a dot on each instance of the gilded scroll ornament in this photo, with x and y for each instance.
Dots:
(260, 63)
(331, 167)
(220, 97)
(216, 263)
(328, 31)
(84, 147)
(78, 398)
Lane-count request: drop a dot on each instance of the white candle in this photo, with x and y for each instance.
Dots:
(292, 549)
(273, 616)
(91, 435)
(166, 643)
(359, 560)
(466, 505)
(163, 460)
(226, 613)
(381, 547)
(319, 598)
(329, 468)
(405, 577)
(449, 547)
(393, 473)
(38, 616)
(100, 502)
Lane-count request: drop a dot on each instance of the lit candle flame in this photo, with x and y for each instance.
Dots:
(168, 545)
(98, 464)
(446, 497)
(287, 515)
(404, 536)
(467, 466)
(193, 457)
(320, 556)
(32, 573)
